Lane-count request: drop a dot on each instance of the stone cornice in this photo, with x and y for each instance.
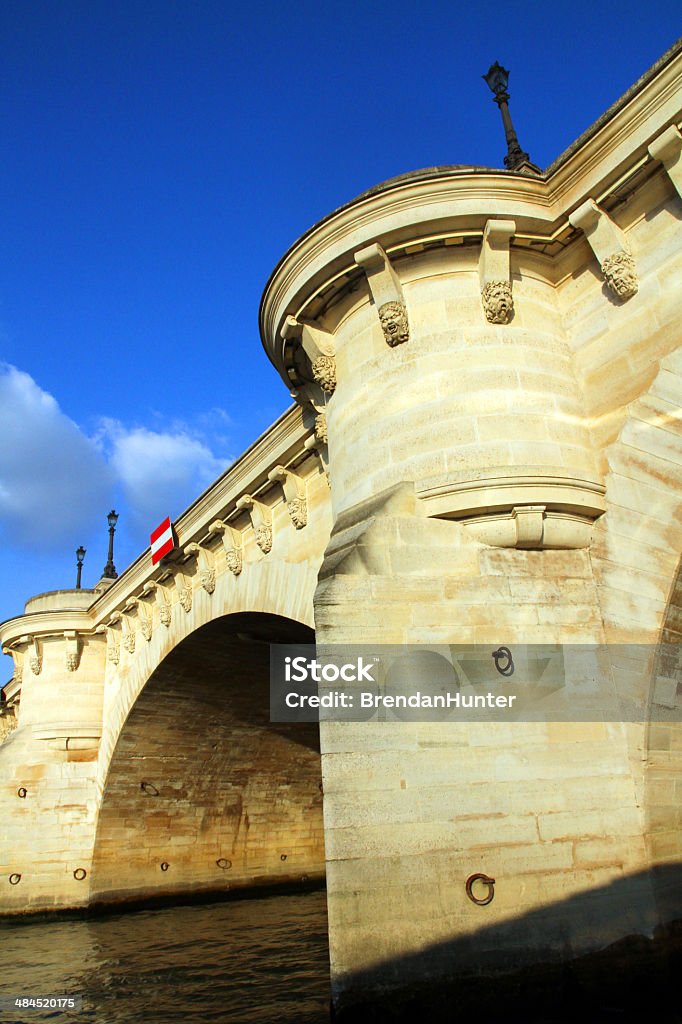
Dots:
(455, 203)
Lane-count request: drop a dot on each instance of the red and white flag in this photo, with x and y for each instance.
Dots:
(162, 540)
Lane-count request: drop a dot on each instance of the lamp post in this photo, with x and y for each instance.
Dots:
(110, 569)
(80, 555)
(497, 80)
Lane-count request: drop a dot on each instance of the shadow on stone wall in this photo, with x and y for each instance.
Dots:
(500, 973)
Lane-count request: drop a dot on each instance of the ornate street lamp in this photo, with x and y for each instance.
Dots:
(80, 555)
(497, 80)
(110, 569)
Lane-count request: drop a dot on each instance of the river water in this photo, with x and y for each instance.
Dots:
(251, 961)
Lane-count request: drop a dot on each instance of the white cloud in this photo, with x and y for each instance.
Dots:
(53, 479)
(160, 472)
(56, 483)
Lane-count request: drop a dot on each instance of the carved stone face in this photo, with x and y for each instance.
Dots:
(264, 538)
(620, 274)
(498, 302)
(393, 317)
(234, 561)
(298, 510)
(321, 427)
(324, 373)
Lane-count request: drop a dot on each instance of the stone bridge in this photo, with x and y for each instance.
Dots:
(486, 448)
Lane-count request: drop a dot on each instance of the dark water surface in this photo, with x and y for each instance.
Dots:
(242, 962)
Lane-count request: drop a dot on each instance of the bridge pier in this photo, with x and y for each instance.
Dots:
(500, 396)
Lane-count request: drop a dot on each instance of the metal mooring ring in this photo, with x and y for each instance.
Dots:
(22, 792)
(79, 874)
(504, 654)
(224, 863)
(485, 880)
(149, 788)
(164, 865)
(14, 879)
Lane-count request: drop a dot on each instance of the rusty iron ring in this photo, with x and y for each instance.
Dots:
(164, 865)
(14, 879)
(485, 880)
(79, 874)
(224, 863)
(503, 653)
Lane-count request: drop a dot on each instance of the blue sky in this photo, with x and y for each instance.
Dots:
(158, 159)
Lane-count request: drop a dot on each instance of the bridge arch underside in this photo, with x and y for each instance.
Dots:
(203, 792)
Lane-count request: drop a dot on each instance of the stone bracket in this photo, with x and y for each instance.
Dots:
(261, 520)
(232, 543)
(609, 246)
(34, 652)
(128, 631)
(387, 293)
(18, 659)
(72, 650)
(162, 600)
(143, 618)
(206, 565)
(319, 348)
(318, 446)
(668, 149)
(529, 521)
(184, 589)
(294, 492)
(112, 637)
(494, 271)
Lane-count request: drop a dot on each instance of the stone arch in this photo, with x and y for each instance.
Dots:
(202, 792)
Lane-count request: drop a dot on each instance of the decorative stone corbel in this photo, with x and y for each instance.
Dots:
(206, 566)
(17, 656)
(387, 293)
(317, 345)
(113, 638)
(319, 447)
(261, 519)
(34, 652)
(321, 427)
(494, 273)
(529, 525)
(232, 542)
(668, 149)
(184, 589)
(294, 493)
(128, 630)
(609, 246)
(162, 600)
(143, 617)
(72, 650)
